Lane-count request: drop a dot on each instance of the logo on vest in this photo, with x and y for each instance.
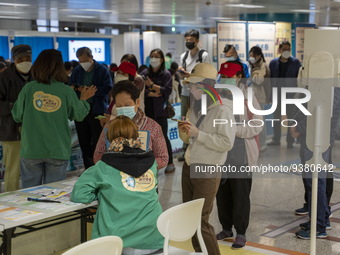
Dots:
(46, 102)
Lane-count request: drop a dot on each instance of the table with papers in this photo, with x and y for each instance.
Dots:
(16, 212)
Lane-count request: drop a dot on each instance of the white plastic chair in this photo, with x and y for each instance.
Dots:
(180, 223)
(106, 245)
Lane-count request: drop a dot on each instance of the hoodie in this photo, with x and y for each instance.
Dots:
(124, 183)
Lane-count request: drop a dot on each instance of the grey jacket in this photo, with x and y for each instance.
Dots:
(11, 84)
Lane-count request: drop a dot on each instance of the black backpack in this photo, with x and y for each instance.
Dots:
(199, 60)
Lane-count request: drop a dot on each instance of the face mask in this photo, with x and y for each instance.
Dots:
(69, 75)
(24, 67)
(86, 65)
(252, 60)
(229, 81)
(190, 45)
(128, 111)
(155, 62)
(286, 54)
(119, 77)
(230, 59)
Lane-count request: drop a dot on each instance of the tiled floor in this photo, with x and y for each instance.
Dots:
(273, 201)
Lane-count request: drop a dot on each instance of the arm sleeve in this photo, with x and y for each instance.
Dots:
(167, 85)
(5, 106)
(159, 148)
(100, 147)
(259, 75)
(248, 131)
(79, 108)
(105, 84)
(205, 58)
(139, 83)
(19, 106)
(223, 139)
(86, 187)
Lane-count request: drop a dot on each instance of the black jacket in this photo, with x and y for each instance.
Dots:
(11, 84)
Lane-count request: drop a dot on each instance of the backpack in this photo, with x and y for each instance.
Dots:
(199, 60)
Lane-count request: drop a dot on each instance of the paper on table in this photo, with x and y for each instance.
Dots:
(15, 214)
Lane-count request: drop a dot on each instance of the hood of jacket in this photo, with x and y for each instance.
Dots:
(132, 161)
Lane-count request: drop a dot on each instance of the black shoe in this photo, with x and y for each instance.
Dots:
(272, 143)
(181, 158)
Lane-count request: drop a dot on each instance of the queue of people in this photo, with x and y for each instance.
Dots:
(129, 100)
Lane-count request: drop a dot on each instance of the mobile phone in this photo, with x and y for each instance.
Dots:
(144, 77)
(181, 121)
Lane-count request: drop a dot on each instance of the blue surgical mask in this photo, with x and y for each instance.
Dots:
(128, 111)
(228, 59)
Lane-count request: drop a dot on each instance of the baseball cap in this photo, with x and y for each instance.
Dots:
(230, 69)
(202, 72)
(21, 50)
(128, 67)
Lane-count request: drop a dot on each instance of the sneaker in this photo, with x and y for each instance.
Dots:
(272, 143)
(170, 168)
(225, 234)
(306, 226)
(301, 211)
(181, 158)
(305, 235)
(239, 242)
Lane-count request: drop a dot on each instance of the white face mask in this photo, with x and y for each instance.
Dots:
(119, 77)
(155, 62)
(252, 60)
(24, 67)
(86, 65)
(286, 54)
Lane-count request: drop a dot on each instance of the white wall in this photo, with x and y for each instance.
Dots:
(173, 43)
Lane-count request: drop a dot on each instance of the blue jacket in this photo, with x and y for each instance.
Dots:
(292, 71)
(101, 79)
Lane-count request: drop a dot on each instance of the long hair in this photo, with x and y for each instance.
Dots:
(257, 51)
(49, 66)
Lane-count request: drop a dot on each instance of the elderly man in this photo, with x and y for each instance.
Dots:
(12, 80)
(88, 73)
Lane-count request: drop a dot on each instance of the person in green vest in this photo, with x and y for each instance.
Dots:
(124, 182)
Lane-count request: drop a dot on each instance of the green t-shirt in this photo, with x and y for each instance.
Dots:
(44, 110)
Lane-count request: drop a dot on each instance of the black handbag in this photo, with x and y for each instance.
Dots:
(170, 110)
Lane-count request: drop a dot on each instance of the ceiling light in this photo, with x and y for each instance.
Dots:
(10, 17)
(219, 18)
(140, 20)
(161, 15)
(82, 16)
(15, 5)
(7, 12)
(245, 5)
(305, 11)
(94, 10)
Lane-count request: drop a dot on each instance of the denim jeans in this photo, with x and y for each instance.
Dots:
(323, 211)
(40, 171)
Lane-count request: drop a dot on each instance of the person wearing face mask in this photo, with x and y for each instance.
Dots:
(208, 146)
(12, 80)
(231, 55)
(158, 87)
(233, 196)
(89, 72)
(260, 77)
(127, 98)
(188, 60)
(284, 71)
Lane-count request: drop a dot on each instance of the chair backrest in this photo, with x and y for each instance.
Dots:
(107, 245)
(180, 223)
